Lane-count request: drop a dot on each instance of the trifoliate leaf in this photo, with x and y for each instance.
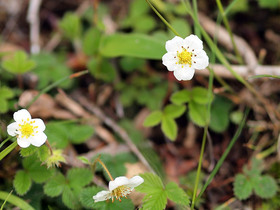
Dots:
(79, 177)
(242, 187)
(19, 63)
(43, 153)
(152, 183)
(169, 127)
(220, 114)
(198, 113)
(55, 185)
(153, 119)
(25, 152)
(39, 173)
(265, 186)
(57, 134)
(86, 197)
(176, 194)
(174, 111)
(70, 198)
(155, 201)
(80, 133)
(22, 182)
(181, 97)
(200, 95)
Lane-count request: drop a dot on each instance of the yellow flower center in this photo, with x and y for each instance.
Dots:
(27, 129)
(121, 191)
(185, 57)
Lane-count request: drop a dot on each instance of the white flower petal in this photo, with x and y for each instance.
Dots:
(22, 114)
(193, 42)
(169, 61)
(185, 73)
(201, 60)
(11, 129)
(23, 142)
(119, 181)
(174, 44)
(135, 181)
(38, 139)
(40, 123)
(102, 196)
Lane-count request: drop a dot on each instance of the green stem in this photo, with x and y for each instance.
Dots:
(4, 142)
(56, 83)
(162, 18)
(8, 150)
(196, 29)
(199, 166)
(225, 20)
(222, 159)
(18, 202)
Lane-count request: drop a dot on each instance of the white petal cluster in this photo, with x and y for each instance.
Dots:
(184, 56)
(27, 130)
(119, 188)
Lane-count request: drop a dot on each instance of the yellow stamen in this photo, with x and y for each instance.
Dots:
(119, 192)
(185, 57)
(26, 129)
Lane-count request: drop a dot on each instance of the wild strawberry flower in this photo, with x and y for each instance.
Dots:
(27, 130)
(118, 188)
(184, 56)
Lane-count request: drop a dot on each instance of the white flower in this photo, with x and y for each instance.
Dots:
(184, 56)
(28, 130)
(118, 188)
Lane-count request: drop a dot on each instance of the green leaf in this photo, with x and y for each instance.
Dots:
(71, 25)
(181, 97)
(153, 119)
(135, 45)
(79, 177)
(176, 194)
(220, 114)
(116, 164)
(272, 4)
(51, 67)
(138, 8)
(236, 117)
(265, 186)
(84, 160)
(70, 198)
(18, 202)
(25, 152)
(169, 127)
(144, 24)
(198, 113)
(6, 93)
(102, 69)
(130, 64)
(86, 196)
(181, 26)
(43, 153)
(242, 187)
(200, 95)
(57, 134)
(22, 182)
(39, 173)
(55, 185)
(19, 63)
(3, 106)
(91, 41)
(155, 201)
(152, 184)
(174, 111)
(80, 133)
